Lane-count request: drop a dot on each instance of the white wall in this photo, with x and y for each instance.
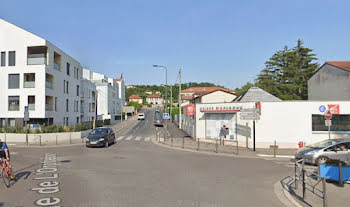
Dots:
(218, 97)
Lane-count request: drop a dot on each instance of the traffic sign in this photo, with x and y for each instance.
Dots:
(322, 108)
(26, 108)
(165, 115)
(328, 123)
(328, 115)
(249, 114)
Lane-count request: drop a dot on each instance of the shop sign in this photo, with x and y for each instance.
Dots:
(190, 110)
(334, 108)
(220, 108)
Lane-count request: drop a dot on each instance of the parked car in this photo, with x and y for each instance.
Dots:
(141, 116)
(101, 137)
(320, 152)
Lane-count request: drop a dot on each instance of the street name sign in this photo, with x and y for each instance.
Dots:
(249, 114)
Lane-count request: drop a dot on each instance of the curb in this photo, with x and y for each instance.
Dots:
(284, 196)
(202, 152)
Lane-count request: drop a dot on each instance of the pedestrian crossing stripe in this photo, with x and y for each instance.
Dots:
(138, 138)
(120, 138)
(147, 139)
(128, 138)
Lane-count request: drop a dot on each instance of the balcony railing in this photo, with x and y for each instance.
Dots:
(36, 59)
(49, 107)
(14, 108)
(31, 107)
(48, 84)
(29, 84)
(56, 66)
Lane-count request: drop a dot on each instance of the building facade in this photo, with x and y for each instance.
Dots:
(135, 98)
(88, 93)
(155, 100)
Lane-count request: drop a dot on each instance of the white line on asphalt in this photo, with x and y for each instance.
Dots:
(278, 156)
(138, 138)
(13, 153)
(11, 144)
(147, 139)
(129, 138)
(120, 138)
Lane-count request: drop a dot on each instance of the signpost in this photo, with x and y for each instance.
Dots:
(328, 116)
(250, 114)
(26, 118)
(165, 115)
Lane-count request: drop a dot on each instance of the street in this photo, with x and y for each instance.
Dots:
(136, 172)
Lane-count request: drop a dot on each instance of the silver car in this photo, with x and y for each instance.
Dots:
(320, 152)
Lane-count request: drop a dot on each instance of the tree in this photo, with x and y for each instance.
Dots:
(286, 73)
(241, 90)
(135, 104)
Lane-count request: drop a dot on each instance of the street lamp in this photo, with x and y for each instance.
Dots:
(166, 93)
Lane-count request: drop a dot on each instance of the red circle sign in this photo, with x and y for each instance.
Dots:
(328, 115)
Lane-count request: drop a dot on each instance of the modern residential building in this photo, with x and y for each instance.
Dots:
(330, 82)
(135, 98)
(36, 74)
(108, 102)
(155, 100)
(121, 92)
(87, 103)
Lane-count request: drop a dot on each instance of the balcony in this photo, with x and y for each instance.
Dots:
(56, 66)
(14, 108)
(57, 61)
(49, 107)
(49, 81)
(37, 55)
(29, 84)
(31, 107)
(48, 84)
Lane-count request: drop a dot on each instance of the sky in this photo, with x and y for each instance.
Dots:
(225, 42)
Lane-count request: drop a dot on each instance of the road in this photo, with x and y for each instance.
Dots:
(137, 172)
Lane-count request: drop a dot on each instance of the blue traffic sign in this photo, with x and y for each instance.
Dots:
(322, 108)
(26, 108)
(166, 116)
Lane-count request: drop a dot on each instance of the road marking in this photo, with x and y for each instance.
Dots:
(11, 144)
(138, 138)
(13, 153)
(120, 138)
(129, 138)
(147, 139)
(278, 156)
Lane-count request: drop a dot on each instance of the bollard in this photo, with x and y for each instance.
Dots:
(70, 138)
(324, 192)
(274, 150)
(183, 142)
(341, 183)
(40, 140)
(216, 145)
(237, 147)
(172, 141)
(56, 139)
(198, 144)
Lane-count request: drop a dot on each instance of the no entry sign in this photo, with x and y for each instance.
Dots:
(328, 115)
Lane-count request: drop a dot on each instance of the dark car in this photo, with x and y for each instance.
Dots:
(101, 137)
(158, 121)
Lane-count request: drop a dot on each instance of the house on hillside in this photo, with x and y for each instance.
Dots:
(330, 82)
(207, 94)
(135, 98)
(154, 99)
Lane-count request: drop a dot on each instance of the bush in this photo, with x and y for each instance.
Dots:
(333, 162)
(107, 122)
(99, 123)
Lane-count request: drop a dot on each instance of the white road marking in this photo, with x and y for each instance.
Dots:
(11, 144)
(278, 156)
(138, 138)
(129, 138)
(147, 139)
(120, 138)
(13, 153)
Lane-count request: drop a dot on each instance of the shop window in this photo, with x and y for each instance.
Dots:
(339, 122)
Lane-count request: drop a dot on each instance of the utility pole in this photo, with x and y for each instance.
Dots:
(95, 114)
(171, 103)
(179, 99)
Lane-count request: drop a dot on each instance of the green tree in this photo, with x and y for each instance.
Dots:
(286, 73)
(239, 91)
(135, 104)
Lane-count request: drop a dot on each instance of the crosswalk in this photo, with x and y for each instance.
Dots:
(130, 138)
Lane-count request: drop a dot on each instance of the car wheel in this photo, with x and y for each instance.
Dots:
(321, 160)
(106, 144)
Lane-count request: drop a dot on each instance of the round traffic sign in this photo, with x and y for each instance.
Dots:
(328, 115)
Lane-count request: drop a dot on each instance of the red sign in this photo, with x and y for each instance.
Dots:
(334, 108)
(190, 110)
(258, 106)
(328, 115)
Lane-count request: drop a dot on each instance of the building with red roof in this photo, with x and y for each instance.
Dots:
(135, 98)
(206, 95)
(154, 99)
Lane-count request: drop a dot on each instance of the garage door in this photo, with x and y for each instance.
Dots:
(214, 122)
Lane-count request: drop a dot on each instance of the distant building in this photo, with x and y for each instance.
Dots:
(154, 99)
(188, 95)
(135, 98)
(330, 82)
(148, 92)
(217, 96)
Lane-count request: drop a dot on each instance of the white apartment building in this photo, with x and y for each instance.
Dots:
(87, 103)
(121, 93)
(37, 74)
(108, 102)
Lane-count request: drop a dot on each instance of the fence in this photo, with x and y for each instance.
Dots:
(310, 181)
(219, 146)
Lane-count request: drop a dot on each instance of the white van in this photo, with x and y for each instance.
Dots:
(141, 116)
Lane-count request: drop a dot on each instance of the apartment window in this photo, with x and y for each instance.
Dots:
(12, 58)
(67, 87)
(55, 103)
(77, 106)
(13, 81)
(3, 59)
(67, 105)
(37, 55)
(64, 86)
(78, 90)
(56, 61)
(89, 107)
(31, 103)
(68, 68)
(13, 103)
(78, 73)
(29, 80)
(67, 121)
(77, 120)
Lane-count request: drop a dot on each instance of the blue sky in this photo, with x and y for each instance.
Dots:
(225, 42)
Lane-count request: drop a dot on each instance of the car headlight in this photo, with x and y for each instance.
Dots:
(310, 153)
(101, 139)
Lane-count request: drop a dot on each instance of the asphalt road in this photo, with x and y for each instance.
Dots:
(136, 172)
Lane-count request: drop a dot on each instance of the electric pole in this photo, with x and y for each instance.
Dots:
(171, 103)
(179, 99)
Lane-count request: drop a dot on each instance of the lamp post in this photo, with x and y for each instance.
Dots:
(166, 94)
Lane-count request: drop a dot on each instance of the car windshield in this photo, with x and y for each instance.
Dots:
(98, 131)
(324, 143)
